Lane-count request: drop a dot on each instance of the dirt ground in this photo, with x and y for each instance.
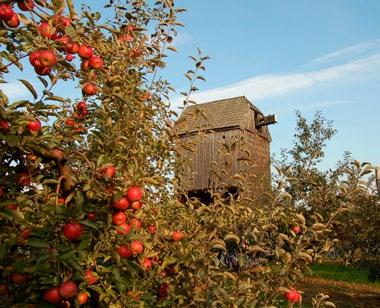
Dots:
(342, 294)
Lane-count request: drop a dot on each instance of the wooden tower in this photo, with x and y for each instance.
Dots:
(220, 140)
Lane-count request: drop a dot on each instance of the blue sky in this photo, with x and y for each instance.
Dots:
(285, 55)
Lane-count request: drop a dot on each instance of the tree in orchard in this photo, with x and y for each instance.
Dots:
(89, 210)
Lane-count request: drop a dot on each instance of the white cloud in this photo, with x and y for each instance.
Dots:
(264, 86)
(14, 90)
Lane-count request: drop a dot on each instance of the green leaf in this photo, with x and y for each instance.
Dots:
(18, 104)
(38, 243)
(44, 82)
(90, 224)
(29, 86)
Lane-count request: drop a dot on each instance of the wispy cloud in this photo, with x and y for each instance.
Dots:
(344, 54)
(14, 90)
(270, 85)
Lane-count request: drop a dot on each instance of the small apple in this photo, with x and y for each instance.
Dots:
(69, 57)
(177, 235)
(13, 207)
(152, 229)
(147, 264)
(6, 11)
(136, 52)
(123, 229)
(45, 30)
(25, 233)
(48, 58)
(23, 179)
(136, 205)
(90, 277)
(34, 58)
(124, 251)
(292, 296)
(108, 171)
(89, 89)
(68, 289)
(61, 200)
(42, 70)
(25, 5)
(57, 153)
(134, 193)
(85, 65)
(137, 247)
(61, 22)
(4, 289)
(34, 126)
(82, 298)
(131, 28)
(96, 62)
(296, 229)
(72, 230)
(163, 291)
(121, 204)
(19, 278)
(72, 48)
(85, 52)
(119, 218)
(14, 22)
(4, 125)
(135, 224)
(70, 122)
(52, 295)
(91, 216)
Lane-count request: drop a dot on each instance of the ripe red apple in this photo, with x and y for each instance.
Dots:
(119, 218)
(123, 229)
(136, 52)
(48, 58)
(72, 47)
(147, 264)
(23, 179)
(131, 28)
(6, 12)
(121, 204)
(152, 229)
(137, 247)
(177, 235)
(292, 296)
(45, 30)
(85, 52)
(82, 106)
(89, 89)
(4, 289)
(124, 251)
(134, 193)
(91, 216)
(57, 153)
(61, 22)
(25, 5)
(296, 229)
(90, 277)
(136, 205)
(108, 171)
(14, 22)
(61, 200)
(34, 126)
(4, 125)
(70, 122)
(42, 70)
(62, 40)
(126, 38)
(82, 298)
(34, 58)
(68, 289)
(52, 295)
(96, 62)
(135, 224)
(12, 207)
(19, 278)
(25, 233)
(69, 57)
(72, 230)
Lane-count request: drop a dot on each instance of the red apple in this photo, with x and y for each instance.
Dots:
(25, 233)
(52, 296)
(34, 58)
(45, 30)
(134, 193)
(91, 216)
(136, 205)
(177, 235)
(96, 62)
(61, 22)
(123, 229)
(147, 264)
(137, 247)
(121, 204)
(292, 296)
(57, 153)
(14, 22)
(124, 251)
(72, 230)
(4, 125)
(136, 52)
(23, 179)
(4, 289)
(72, 47)
(48, 58)
(62, 40)
(34, 126)
(25, 5)
(89, 89)
(296, 229)
(85, 52)
(90, 277)
(82, 298)
(70, 122)
(135, 224)
(69, 57)
(6, 12)
(119, 218)
(131, 28)
(85, 65)
(82, 106)
(152, 229)
(108, 171)
(163, 291)
(42, 70)
(68, 289)
(61, 200)
(19, 278)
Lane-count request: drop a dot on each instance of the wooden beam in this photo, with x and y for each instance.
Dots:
(270, 119)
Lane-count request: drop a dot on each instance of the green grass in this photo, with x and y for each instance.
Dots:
(341, 273)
